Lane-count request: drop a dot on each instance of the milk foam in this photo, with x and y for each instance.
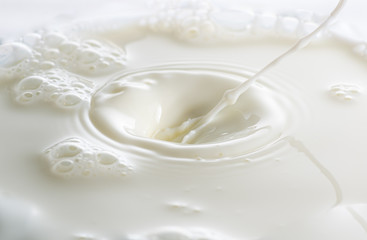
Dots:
(52, 68)
(76, 158)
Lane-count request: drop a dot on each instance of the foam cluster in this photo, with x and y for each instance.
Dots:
(202, 21)
(53, 67)
(75, 157)
(59, 87)
(345, 91)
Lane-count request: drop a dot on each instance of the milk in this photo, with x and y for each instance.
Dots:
(82, 157)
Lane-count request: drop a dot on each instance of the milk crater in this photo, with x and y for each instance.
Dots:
(75, 157)
(140, 108)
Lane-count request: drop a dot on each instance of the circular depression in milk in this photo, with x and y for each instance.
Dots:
(138, 105)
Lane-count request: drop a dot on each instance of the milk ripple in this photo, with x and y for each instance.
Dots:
(74, 157)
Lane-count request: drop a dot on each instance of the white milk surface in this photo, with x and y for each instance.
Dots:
(90, 137)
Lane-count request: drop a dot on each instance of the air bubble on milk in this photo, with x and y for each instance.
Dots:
(265, 22)
(233, 19)
(54, 39)
(345, 91)
(13, 53)
(288, 25)
(59, 87)
(31, 83)
(75, 157)
(49, 51)
(202, 22)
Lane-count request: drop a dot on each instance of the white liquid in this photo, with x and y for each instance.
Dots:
(285, 162)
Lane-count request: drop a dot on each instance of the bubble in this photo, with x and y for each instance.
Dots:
(32, 39)
(93, 43)
(52, 53)
(67, 150)
(54, 39)
(288, 25)
(106, 158)
(345, 91)
(46, 65)
(88, 56)
(26, 97)
(234, 20)
(68, 47)
(31, 83)
(13, 53)
(69, 100)
(64, 166)
(266, 21)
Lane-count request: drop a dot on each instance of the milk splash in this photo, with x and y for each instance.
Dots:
(189, 129)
